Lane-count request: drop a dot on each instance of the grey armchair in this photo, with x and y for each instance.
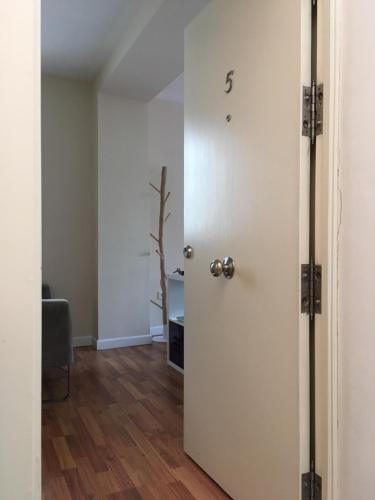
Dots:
(57, 349)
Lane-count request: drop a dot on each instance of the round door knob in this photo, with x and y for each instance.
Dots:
(228, 267)
(216, 268)
(188, 252)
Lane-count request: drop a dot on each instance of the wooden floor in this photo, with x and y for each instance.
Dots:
(119, 436)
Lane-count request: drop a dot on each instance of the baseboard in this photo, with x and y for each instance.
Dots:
(156, 330)
(102, 344)
(82, 341)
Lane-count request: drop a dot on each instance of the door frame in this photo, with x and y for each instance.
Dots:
(20, 250)
(327, 229)
(328, 226)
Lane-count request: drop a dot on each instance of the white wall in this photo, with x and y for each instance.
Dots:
(20, 251)
(124, 222)
(134, 140)
(166, 147)
(356, 255)
(69, 199)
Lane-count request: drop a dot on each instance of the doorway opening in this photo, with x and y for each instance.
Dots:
(112, 119)
(115, 175)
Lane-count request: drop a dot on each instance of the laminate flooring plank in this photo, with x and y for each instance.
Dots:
(120, 434)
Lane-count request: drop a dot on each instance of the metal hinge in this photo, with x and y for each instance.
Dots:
(312, 111)
(311, 289)
(311, 486)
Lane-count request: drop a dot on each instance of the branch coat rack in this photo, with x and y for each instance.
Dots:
(160, 243)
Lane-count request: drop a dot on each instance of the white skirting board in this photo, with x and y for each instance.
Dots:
(156, 330)
(83, 341)
(102, 344)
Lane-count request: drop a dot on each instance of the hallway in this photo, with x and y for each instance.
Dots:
(119, 435)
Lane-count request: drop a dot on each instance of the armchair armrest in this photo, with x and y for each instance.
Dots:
(56, 333)
(46, 291)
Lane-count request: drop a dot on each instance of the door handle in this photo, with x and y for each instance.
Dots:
(216, 268)
(225, 267)
(228, 267)
(188, 252)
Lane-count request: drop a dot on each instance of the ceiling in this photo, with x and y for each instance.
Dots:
(156, 56)
(174, 91)
(133, 48)
(78, 36)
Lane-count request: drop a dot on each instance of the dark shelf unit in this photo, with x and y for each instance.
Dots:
(176, 343)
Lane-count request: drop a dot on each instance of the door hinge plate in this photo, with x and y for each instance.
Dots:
(312, 111)
(311, 486)
(311, 289)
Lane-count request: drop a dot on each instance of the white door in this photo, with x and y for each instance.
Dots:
(246, 165)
